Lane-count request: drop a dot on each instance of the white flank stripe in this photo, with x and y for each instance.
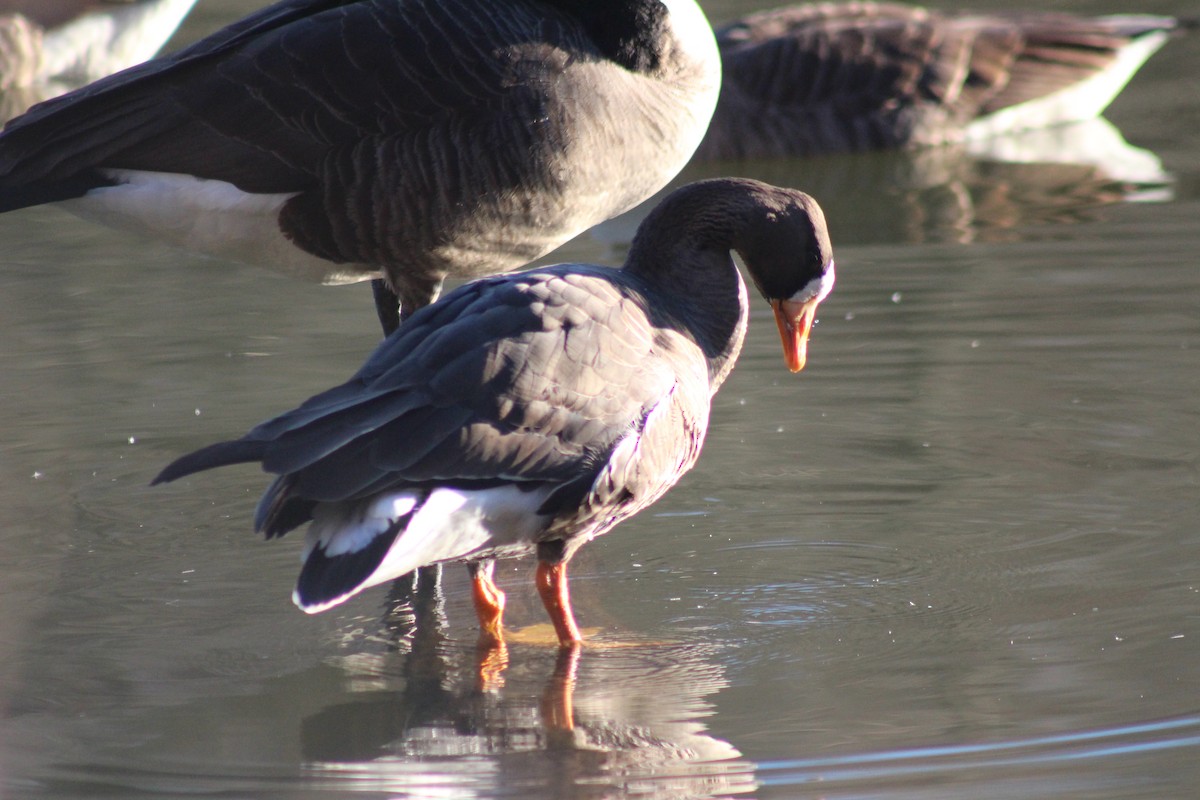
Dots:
(450, 525)
(208, 216)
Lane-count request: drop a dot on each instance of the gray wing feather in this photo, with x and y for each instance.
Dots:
(478, 397)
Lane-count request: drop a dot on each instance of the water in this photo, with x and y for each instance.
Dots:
(955, 557)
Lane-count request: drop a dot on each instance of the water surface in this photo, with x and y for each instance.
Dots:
(957, 556)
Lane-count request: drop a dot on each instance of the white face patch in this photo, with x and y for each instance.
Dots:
(816, 289)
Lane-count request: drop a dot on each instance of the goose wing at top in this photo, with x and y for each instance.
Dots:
(426, 137)
(273, 93)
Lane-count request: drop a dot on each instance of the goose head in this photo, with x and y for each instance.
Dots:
(780, 234)
(790, 260)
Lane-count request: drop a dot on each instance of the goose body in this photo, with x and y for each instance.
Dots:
(48, 47)
(528, 413)
(831, 77)
(413, 139)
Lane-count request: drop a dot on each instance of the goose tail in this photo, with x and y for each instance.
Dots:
(354, 545)
(333, 574)
(1086, 98)
(15, 195)
(221, 454)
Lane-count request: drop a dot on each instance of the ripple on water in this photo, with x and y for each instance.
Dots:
(738, 585)
(1035, 766)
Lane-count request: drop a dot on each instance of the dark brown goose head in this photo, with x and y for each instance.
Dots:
(779, 233)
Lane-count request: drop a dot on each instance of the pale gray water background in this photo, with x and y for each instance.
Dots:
(956, 557)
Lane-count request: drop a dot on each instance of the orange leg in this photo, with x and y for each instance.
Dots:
(552, 586)
(489, 602)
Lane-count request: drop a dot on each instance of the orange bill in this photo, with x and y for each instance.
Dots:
(795, 321)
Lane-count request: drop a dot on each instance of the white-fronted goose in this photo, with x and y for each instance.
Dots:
(48, 47)
(417, 138)
(529, 413)
(833, 77)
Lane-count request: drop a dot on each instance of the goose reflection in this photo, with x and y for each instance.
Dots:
(987, 192)
(434, 713)
(994, 192)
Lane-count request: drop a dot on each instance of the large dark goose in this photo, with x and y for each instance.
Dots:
(831, 77)
(48, 47)
(414, 138)
(529, 413)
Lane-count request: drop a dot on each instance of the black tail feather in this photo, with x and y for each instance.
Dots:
(330, 579)
(220, 454)
(50, 191)
(280, 510)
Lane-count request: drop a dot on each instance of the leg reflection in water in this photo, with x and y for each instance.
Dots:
(428, 713)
